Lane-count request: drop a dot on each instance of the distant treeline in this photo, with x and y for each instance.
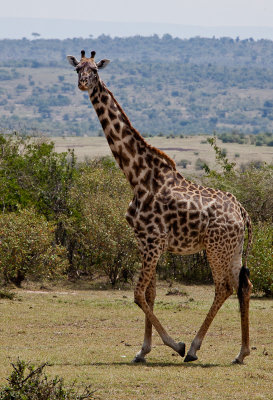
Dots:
(224, 51)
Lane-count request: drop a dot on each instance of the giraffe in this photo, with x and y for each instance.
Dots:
(171, 213)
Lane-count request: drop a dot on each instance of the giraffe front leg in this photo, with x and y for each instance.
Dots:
(147, 272)
(147, 343)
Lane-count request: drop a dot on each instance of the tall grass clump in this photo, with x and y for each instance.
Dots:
(29, 383)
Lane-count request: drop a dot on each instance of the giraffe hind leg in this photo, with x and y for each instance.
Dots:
(222, 292)
(243, 287)
(223, 289)
(244, 292)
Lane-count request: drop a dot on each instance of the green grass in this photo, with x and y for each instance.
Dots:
(92, 336)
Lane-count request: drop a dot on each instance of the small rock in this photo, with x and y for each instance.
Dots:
(265, 352)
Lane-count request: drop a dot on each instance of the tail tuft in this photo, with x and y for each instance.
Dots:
(243, 283)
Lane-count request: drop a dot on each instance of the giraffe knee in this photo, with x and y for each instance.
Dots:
(228, 288)
(138, 298)
(150, 297)
(225, 289)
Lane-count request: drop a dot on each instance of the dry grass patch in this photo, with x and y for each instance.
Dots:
(92, 336)
(189, 148)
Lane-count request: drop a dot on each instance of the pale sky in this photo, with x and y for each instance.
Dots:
(185, 12)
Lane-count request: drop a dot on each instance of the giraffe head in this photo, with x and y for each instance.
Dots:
(87, 69)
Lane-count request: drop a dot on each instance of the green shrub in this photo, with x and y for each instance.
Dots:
(27, 247)
(260, 259)
(29, 383)
(187, 268)
(32, 174)
(183, 163)
(252, 186)
(6, 294)
(200, 164)
(102, 239)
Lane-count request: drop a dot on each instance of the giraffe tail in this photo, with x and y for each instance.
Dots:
(243, 284)
(248, 225)
(244, 272)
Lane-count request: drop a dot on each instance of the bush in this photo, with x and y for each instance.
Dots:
(6, 294)
(101, 238)
(200, 164)
(189, 268)
(254, 189)
(183, 163)
(260, 259)
(252, 185)
(27, 248)
(29, 383)
(32, 174)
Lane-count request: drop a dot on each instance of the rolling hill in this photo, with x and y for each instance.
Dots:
(165, 85)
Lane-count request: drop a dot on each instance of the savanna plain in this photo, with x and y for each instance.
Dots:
(189, 148)
(92, 335)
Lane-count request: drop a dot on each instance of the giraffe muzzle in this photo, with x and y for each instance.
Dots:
(82, 85)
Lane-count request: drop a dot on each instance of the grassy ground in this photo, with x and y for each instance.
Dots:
(92, 336)
(190, 148)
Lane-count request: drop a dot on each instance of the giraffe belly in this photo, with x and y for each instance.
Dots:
(185, 245)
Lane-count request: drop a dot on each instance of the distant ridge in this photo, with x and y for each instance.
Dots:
(166, 85)
(17, 28)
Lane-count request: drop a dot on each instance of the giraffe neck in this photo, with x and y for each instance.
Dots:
(139, 161)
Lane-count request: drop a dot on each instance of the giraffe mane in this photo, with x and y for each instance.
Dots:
(136, 133)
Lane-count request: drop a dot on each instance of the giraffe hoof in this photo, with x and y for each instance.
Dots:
(189, 358)
(139, 360)
(237, 361)
(181, 349)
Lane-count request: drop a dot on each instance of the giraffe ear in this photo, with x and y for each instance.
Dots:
(102, 63)
(72, 60)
